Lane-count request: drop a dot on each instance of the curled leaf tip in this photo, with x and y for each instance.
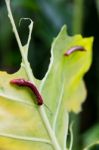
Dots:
(23, 82)
(74, 49)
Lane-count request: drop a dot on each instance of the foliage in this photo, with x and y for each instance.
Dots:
(62, 88)
(44, 29)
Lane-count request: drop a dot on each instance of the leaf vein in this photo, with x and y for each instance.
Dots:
(58, 108)
(25, 138)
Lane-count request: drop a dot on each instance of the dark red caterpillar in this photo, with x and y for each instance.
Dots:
(73, 49)
(22, 82)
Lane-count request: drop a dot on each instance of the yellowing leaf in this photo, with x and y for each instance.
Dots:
(20, 121)
(26, 126)
(67, 72)
(63, 88)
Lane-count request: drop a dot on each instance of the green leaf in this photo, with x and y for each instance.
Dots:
(66, 73)
(63, 88)
(21, 127)
(26, 126)
(91, 136)
(93, 146)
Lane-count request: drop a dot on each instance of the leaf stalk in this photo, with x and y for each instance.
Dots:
(27, 67)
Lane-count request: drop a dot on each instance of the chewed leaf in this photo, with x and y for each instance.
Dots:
(26, 46)
(24, 123)
(63, 87)
(67, 72)
(21, 127)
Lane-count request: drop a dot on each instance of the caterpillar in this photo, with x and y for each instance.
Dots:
(73, 49)
(23, 82)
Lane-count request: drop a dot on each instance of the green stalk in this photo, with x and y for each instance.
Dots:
(21, 48)
(77, 27)
(78, 14)
(97, 5)
(52, 136)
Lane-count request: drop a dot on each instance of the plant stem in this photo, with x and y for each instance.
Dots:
(78, 16)
(97, 5)
(71, 134)
(30, 76)
(49, 129)
(21, 48)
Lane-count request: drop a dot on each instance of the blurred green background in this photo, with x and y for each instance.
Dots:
(81, 16)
